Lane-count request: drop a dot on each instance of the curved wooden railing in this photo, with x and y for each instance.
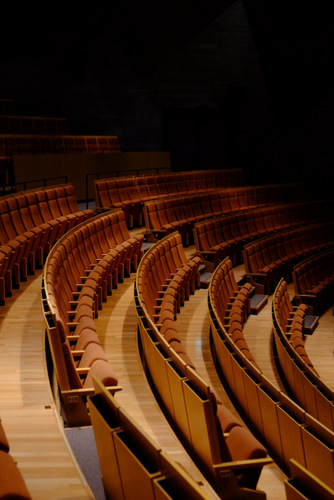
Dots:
(79, 272)
(303, 381)
(216, 440)
(289, 431)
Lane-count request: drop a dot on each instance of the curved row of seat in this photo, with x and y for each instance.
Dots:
(129, 457)
(129, 193)
(272, 257)
(12, 484)
(24, 124)
(19, 144)
(225, 236)
(290, 321)
(79, 272)
(30, 223)
(313, 281)
(231, 304)
(182, 213)
(300, 375)
(171, 278)
(227, 453)
(289, 431)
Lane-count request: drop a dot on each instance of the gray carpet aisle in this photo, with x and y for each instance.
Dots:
(82, 442)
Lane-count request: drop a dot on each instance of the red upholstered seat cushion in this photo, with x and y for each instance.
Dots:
(226, 418)
(12, 484)
(243, 445)
(103, 371)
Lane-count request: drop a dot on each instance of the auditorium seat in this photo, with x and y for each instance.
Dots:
(12, 484)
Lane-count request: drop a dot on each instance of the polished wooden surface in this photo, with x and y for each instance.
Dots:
(29, 413)
(27, 408)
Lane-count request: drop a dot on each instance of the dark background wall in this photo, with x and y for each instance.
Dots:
(223, 84)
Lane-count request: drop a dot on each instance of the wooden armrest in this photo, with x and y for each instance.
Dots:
(74, 338)
(207, 252)
(78, 352)
(72, 324)
(256, 275)
(243, 464)
(89, 391)
(83, 371)
(102, 209)
(305, 299)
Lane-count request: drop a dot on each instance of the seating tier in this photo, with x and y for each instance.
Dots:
(289, 430)
(301, 377)
(224, 236)
(183, 212)
(273, 257)
(129, 457)
(216, 440)
(130, 193)
(30, 224)
(80, 272)
(313, 281)
(19, 144)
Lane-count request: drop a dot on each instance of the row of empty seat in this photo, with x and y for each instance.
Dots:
(289, 430)
(300, 375)
(20, 144)
(231, 304)
(130, 459)
(171, 278)
(182, 213)
(225, 236)
(130, 193)
(269, 259)
(30, 223)
(12, 484)
(42, 125)
(313, 281)
(291, 321)
(228, 454)
(79, 273)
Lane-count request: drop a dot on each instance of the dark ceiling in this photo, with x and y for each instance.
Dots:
(153, 30)
(294, 39)
(294, 45)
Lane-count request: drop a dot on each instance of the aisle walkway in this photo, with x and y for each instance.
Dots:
(27, 408)
(193, 322)
(117, 331)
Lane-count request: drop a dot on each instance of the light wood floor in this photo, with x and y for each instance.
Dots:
(28, 412)
(27, 408)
